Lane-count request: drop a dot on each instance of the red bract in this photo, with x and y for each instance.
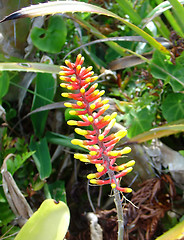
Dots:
(90, 108)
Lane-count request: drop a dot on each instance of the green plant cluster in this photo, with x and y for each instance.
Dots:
(149, 96)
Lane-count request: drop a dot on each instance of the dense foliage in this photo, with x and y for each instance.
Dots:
(144, 83)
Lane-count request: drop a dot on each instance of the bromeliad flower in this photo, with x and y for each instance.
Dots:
(90, 108)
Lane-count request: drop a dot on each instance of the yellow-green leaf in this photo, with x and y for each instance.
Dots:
(49, 222)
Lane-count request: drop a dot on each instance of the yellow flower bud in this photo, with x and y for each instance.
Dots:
(126, 150)
(82, 90)
(91, 176)
(72, 112)
(64, 94)
(81, 131)
(113, 185)
(93, 153)
(72, 122)
(67, 104)
(101, 137)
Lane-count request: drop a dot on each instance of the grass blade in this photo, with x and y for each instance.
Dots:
(29, 67)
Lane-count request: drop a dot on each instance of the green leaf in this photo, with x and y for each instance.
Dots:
(179, 11)
(45, 87)
(162, 68)
(51, 39)
(139, 121)
(173, 107)
(63, 140)
(49, 222)
(57, 190)
(29, 67)
(41, 157)
(14, 165)
(6, 215)
(74, 6)
(159, 132)
(128, 9)
(4, 83)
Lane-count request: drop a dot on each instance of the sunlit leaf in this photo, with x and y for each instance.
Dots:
(29, 67)
(175, 233)
(158, 133)
(49, 222)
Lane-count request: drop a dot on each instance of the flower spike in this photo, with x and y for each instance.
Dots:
(90, 108)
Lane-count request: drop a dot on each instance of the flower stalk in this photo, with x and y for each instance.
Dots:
(90, 108)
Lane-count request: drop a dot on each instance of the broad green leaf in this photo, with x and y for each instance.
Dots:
(162, 68)
(173, 107)
(29, 67)
(158, 133)
(49, 222)
(139, 121)
(45, 86)
(74, 6)
(41, 157)
(63, 140)
(51, 39)
(4, 83)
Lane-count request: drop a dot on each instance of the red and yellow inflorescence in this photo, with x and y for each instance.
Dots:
(90, 108)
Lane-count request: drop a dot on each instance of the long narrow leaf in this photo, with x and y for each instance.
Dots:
(74, 6)
(158, 133)
(164, 7)
(179, 11)
(162, 40)
(29, 67)
(41, 157)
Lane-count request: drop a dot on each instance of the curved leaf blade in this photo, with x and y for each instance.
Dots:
(158, 133)
(74, 6)
(29, 67)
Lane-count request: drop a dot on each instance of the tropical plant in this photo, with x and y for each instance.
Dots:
(147, 87)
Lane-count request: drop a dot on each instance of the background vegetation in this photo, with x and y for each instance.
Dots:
(144, 83)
